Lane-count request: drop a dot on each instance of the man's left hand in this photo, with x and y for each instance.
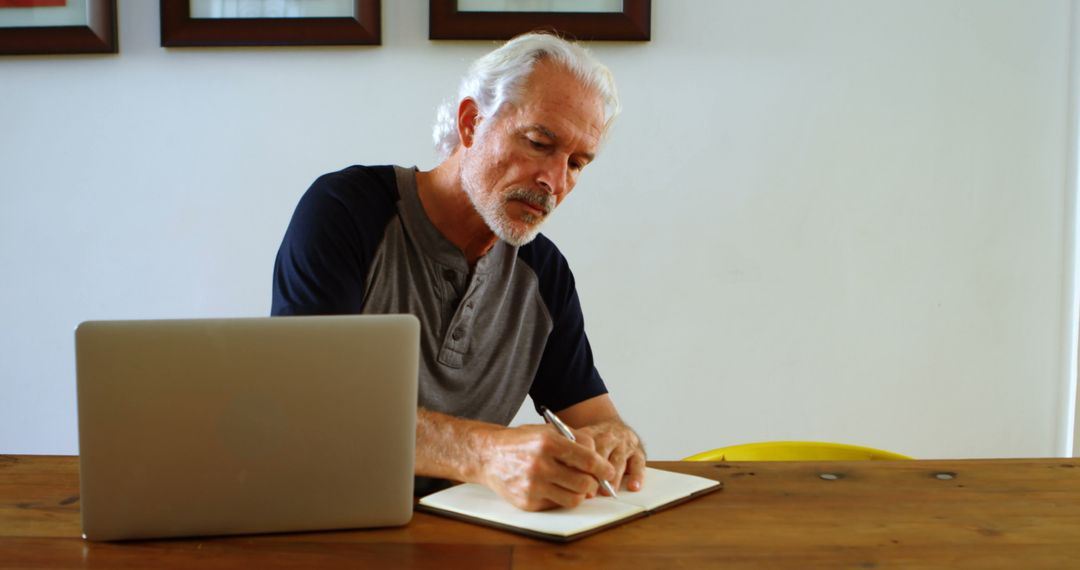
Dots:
(615, 441)
(622, 448)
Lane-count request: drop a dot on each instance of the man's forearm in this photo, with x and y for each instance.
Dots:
(533, 466)
(450, 448)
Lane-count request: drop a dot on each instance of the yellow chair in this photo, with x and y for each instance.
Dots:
(795, 451)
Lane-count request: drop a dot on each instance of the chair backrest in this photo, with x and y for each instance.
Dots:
(795, 451)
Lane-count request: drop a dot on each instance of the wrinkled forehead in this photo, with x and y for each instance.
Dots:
(556, 98)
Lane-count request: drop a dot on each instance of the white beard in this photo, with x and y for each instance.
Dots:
(492, 209)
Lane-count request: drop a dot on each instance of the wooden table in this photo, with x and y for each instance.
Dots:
(1014, 514)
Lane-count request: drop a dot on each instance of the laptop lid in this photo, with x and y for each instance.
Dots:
(232, 426)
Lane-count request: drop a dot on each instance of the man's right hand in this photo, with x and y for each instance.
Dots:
(536, 468)
(533, 467)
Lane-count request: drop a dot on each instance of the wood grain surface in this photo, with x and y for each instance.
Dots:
(985, 514)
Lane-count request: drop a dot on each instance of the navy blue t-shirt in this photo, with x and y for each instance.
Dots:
(360, 242)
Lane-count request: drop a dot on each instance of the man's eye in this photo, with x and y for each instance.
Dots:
(537, 144)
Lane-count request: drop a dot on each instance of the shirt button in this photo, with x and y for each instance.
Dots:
(458, 333)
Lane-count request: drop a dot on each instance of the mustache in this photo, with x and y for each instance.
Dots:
(535, 198)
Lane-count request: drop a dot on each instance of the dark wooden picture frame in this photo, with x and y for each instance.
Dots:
(448, 23)
(97, 36)
(179, 29)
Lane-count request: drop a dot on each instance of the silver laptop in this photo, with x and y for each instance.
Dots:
(235, 426)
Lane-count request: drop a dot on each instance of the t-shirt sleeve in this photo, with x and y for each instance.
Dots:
(567, 374)
(322, 264)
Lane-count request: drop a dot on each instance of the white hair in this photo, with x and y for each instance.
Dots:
(495, 80)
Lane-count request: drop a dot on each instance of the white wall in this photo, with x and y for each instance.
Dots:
(836, 220)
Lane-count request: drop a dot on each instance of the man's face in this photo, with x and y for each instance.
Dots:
(528, 158)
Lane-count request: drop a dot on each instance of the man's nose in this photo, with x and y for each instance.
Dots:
(552, 176)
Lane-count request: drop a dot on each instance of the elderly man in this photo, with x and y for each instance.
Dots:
(458, 246)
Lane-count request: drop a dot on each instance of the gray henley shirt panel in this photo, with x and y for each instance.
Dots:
(483, 332)
(361, 242)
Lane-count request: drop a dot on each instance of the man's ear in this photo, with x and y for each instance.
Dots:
(468, 120)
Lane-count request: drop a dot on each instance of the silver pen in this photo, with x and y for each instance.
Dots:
(559, 425)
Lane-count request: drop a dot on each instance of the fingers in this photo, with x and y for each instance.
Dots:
(572, 480)
(536, 468)
(635, 472)
(584, 439)
(581, 455)
(621, 447)
(551, 496)
(618, 460)
(604, 442)
(544, 494)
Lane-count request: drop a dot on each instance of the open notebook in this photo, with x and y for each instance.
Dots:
(478, 504)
